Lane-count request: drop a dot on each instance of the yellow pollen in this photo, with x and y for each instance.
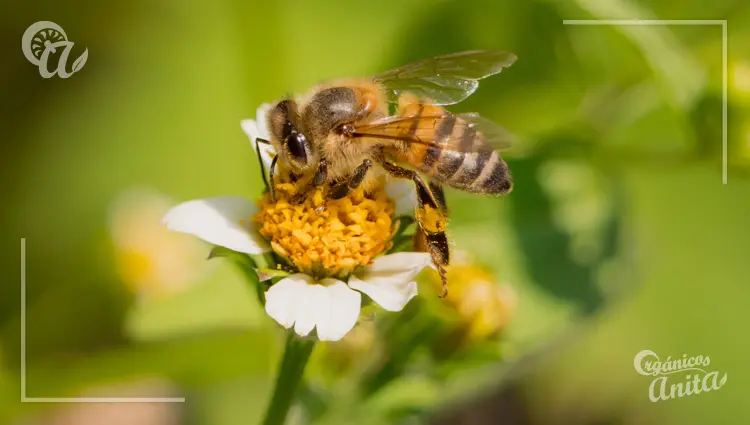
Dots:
(433, 221)
(327, 237)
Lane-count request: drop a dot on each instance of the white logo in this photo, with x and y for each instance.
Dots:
(693, 378)
(41, 40)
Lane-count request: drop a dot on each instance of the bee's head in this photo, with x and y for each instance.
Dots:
(291, 143)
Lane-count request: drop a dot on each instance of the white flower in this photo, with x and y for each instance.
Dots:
(330, 306)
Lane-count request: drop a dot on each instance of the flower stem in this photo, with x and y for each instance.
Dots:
(263, 261)
(291, 370)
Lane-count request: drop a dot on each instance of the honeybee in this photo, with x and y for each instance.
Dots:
(343, 134)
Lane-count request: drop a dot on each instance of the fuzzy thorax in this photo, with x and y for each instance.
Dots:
(327, 238)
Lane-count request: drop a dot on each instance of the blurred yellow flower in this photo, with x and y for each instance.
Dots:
(151, 260)
(483, 307)
(740, 79)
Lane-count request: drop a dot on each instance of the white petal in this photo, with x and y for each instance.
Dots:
(259, 128)
(250, 127)
(267, 152)
(223, 221)
(404, 194)
(261, 115)
(337, 319)
(390, 280)
(283, 299)
(330, 306)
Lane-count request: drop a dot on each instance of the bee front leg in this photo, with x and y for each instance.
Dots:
(271, 174)
(431, 218)
(321, 175)
(258, 141)
(355, 179)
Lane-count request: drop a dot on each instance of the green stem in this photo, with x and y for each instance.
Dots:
(291, 370)
(263, 261)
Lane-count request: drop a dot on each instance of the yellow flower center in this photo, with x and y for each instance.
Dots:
(323, 237)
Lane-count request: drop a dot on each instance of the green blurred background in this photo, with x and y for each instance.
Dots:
(618, 237)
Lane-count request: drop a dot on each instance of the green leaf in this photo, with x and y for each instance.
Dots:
(549, 244)
(267, 274)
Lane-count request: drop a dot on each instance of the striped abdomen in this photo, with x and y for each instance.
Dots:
(455, 154)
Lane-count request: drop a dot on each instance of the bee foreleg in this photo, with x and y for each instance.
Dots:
(355, 179)
(271, 173)
(431, 217)
(321, 175)
(258, 141)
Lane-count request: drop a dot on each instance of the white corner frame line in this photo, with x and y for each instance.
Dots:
(668, 22)
(25, 399)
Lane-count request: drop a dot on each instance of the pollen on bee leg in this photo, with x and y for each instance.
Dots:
(327, 237)
(431, 219)
(318, 198)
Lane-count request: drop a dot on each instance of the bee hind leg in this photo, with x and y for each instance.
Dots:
(437, 192)
(431, 218)
(436, 244)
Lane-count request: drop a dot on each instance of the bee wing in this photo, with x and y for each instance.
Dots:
(496, 136)
(424, 129)
(445, 80)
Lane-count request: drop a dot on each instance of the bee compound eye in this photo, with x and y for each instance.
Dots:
(296, 143)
